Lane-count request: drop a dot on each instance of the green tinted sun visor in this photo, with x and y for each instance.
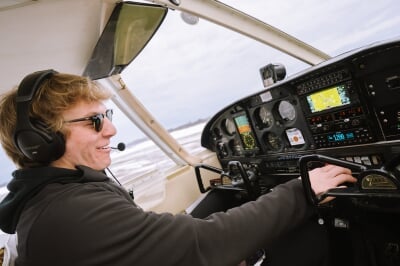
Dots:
(128, 30)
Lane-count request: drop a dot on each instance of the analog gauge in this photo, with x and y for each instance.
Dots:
(264, 117)
(217, 133)
(287, 111)
(228, 126)
(273, 141)
(235, 147)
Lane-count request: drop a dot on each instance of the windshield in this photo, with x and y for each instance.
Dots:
(187, 73)
(334, 27)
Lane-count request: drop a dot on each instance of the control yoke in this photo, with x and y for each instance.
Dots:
(240, 179)
(371, 182)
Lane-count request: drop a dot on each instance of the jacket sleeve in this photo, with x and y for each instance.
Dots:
(94, 225)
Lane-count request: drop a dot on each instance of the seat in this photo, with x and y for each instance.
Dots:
(8, 249)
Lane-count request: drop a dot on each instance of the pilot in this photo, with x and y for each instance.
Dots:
(66, 211)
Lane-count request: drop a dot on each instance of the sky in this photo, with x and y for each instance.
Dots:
(189, 72)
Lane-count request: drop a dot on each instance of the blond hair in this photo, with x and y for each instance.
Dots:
(56, 94)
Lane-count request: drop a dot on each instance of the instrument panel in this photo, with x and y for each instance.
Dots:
(347, 107)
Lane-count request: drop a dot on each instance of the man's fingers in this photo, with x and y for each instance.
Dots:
(342, 178)
(335, 170)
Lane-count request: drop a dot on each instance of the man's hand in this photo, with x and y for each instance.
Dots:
(329, 176)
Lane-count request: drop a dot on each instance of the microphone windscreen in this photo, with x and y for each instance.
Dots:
(121, 146)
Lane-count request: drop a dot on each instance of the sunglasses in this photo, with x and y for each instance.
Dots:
(97, 119)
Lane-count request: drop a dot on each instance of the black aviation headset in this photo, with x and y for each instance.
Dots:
(32, 137)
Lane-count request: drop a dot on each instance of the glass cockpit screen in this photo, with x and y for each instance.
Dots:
(245, 132)
(328, 98)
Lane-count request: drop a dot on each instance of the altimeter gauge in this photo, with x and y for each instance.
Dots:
(273, 141)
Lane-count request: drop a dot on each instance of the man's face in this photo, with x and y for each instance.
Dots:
(84, 145)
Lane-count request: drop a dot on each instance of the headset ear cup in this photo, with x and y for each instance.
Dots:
(33, 138)
(51, 144)
(57, 148)
(41, 146)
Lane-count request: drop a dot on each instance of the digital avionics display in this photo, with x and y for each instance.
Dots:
(340, 136)
(245, 132)
(329, 98)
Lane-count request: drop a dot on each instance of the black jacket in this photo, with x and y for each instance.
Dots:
(80, 217)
